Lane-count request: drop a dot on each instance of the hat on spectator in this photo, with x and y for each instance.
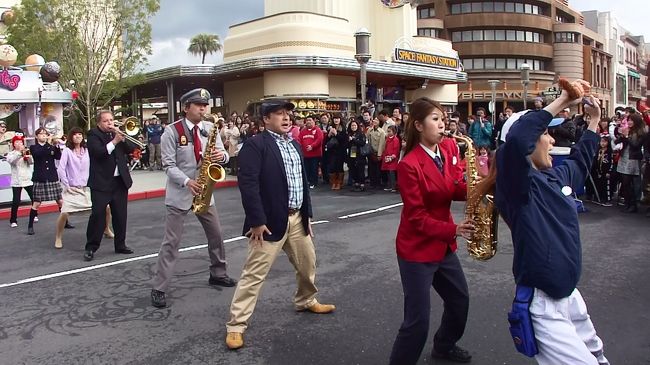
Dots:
(196, 96)
(275, 105)
(17, 138)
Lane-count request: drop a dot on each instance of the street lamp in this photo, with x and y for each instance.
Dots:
(525, 79)
(362, 56)
(493, 103)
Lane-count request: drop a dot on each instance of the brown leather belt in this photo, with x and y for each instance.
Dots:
(293, 211)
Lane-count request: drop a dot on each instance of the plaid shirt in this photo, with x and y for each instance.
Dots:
(293, 168)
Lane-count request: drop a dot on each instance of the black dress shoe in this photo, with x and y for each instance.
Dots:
(30, 231)
(68, 225)
(224, 281)
(88, 255)
(124, 250)
(456, 354)
(158, 298)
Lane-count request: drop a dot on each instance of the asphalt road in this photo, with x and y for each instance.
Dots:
(52, 314)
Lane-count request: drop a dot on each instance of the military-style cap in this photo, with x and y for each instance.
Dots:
(196, 96)
(275, 105)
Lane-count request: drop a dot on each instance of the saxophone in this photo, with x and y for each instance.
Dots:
(209, 173)
(483, 243)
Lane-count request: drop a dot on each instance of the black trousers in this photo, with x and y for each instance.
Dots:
(374, 172)
(117, 199)
(15, 201)
(448, 279)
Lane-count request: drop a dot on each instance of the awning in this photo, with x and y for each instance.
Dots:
(634, 74)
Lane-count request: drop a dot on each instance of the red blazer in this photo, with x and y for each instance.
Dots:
(426, 228)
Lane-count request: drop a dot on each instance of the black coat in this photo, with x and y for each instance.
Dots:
(102, 165)
(264, 189)
(44, 167)
(355, 145)
(336, 155)
(634, 143)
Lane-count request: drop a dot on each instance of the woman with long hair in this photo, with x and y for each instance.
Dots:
(629, 164)
(536, 200)
(430, 178)
(336, 145)
(356, 161)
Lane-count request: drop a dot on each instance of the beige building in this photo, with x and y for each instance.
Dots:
(304, 51)
(495, 38)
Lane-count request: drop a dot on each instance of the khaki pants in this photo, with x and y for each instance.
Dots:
(299, 248)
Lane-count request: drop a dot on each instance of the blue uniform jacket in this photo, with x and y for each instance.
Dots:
(543, 220)
(264, 188)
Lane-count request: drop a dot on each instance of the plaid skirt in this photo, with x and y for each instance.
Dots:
(47, 191)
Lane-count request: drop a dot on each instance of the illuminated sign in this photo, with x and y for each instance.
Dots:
(425, 59)
(8, 81)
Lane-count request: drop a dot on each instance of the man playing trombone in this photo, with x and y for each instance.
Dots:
(109, 183)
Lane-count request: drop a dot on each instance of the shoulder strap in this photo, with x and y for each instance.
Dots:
(179, 128)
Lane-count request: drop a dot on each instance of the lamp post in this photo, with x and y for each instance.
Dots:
(525, 79)
(493, 102)
(362, 56)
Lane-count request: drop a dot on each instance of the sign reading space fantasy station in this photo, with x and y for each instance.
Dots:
(424, 59)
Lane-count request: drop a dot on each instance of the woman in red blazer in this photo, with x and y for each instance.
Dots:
(430, 178)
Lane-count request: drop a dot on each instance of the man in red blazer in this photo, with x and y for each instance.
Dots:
(426, 238)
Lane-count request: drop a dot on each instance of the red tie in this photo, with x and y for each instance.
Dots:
(197, 144)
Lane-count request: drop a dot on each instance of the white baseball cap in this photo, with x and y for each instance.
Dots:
(515, 117)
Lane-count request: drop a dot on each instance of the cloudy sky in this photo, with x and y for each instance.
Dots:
(178, 21)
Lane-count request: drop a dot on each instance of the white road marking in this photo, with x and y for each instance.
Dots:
(371, 211)
(118, 262)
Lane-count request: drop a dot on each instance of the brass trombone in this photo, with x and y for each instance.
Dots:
(131, 127)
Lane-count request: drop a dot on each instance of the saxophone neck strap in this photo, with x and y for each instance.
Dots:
(182, 137)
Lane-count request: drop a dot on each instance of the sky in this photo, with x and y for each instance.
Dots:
(177, 21)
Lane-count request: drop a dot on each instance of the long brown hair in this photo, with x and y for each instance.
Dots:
(420, 109)
(73, 131)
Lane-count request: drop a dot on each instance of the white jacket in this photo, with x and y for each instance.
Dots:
(21, 170)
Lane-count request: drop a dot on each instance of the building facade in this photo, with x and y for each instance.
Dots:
(495, 38)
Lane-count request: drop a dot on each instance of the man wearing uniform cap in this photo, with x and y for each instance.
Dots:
(275, 195)
(183, 149)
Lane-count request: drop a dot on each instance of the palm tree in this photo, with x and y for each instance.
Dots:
(202, 44)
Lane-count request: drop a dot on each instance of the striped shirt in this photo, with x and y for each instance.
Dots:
(293, 168)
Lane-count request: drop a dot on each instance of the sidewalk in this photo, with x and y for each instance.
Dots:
(146, 185)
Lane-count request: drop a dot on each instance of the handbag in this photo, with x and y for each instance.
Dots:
(521, 324)
(332, 143)
(365, 150)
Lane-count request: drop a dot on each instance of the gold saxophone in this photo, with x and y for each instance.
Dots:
(209, 173)
(483, 243)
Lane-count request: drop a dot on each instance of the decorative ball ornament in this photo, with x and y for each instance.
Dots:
(8, 17)
(8, 55)
(34, 62)
(50, 71)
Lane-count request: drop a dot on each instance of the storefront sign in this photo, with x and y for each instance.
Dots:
(424, 59)
(8, 81)
(487, 95)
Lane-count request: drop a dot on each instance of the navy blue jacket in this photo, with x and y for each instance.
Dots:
(542, 219)
(264, 189)
(44, 167)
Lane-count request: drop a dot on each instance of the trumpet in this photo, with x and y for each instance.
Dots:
(131, 129)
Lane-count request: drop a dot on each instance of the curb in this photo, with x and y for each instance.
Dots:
(51, 207)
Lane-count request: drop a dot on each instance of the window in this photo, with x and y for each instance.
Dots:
(500, 35)
(520, 35)
(456, 36)
(565, 37)
(519, 8)
(520, 61)
(510, 7)
(478, 63)
(488, 7)
(501, 63)
(477, 8)
(468, 64)
(511, 35)
(429, 32)
(466, 8)
(426, 13)
(455, 9)
(467, 36)
(488, 35)
(528, 9)
(529, 36)
(499, 7)
(477, 35)
(536, 65)
(541, 38)
(512, 64)
(490, 64)
(535, 9)
(535, 37)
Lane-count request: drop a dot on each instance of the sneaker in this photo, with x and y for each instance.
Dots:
(35, 219)
(456, 354)
(158, 298)
(14, 225)
(387, 189)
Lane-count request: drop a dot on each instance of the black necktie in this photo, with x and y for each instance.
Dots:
(438, 163)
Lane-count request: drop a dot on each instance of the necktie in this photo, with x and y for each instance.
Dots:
(438, 163)
(197, 144)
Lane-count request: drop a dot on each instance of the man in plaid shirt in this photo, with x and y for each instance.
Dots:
(275, 195)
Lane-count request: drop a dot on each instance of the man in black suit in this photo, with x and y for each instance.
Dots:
(109, 183)
(275, 195)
